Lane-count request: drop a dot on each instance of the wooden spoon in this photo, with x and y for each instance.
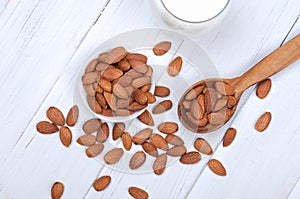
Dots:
(197, 107)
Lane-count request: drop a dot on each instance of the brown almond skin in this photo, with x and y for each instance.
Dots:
(161, 91)
(159, 164)
(93, 104)
(196, 110)
(150, 149)
(203, 146)
(101, 100)
(127, 141)
(86, 140)
(46, 127)
(102, 133)
(224, 88)
(140, 97)
(162, 107)
(151, 98)
(90, 78)
(113, 156)
(263, 122)
(115, 55)
(120, 91)
(91, 126)
(210, 98)
(57, 190)
(138, 193)
(91, 66)
(138, 66)
(221, 103)
(136, 106)
(102, 56)
(146, 118)
(56, 116)
(190, 158)
(124, 65)
(141, 81)
(174, 140)
(146, 88)
(72, 116)
(101, 183)
(107, 112)
(264, 88)
(177, 151)
(217, 167)
(112, 73)
(65, 136)
(118, 130)
(158, 141)
(162, 48)
(137, 56)
(192, 94)
(105, 85)
(229, 137)
(231, 101)
(94, 150)
(168, 127)
(137, 160)
(141, 136)
(111, 100)
(175, 66)
(90, 90)
(123, 112)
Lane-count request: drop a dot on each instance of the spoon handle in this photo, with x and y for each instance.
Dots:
(270, 65)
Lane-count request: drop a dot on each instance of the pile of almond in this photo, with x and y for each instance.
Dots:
(117, 83)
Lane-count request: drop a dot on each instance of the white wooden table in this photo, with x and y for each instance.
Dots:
(41, 43)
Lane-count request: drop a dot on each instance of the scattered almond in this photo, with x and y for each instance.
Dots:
(72, 116)
(229, 137)
(174, 139)
(190, 158)
(113, 156)
(203, 146)
(263, 122)
(142, 136)
(162, 107)
(56, 116)
(176, 151)
(150, 97)
(158, 141)
(137, 160)
(101, 183)
(126, 140)
(168, 127)
(159, 164)
(102, 133)
(175, 66)
(65, 136)
(46, 127)
(86, 140)
(146, 118)
(263, 88)
(140, 97)
(162, 48)
(94, 150)
(150, 149)
(91, 125)
(57, 190)
(118, 130)
(161, 91)
(217, 167)
(138, 193)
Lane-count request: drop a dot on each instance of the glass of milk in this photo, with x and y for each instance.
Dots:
(190, 16)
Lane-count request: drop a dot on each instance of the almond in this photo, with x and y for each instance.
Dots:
(86, 140)
(124, 65)
(187, 105)
(133, 74)
(146, 88)
(221, 103)
(126, 140)
(175, 66)
(201, 102)
(161, 91)
(224, 88)
(129, 90)
(102, 133)
(158, 141)
(122, 112)
(162, 48)
(112, 73)
(55, 116)
(142, 136)
(263, 122)
(111, 100)
(119, 91)
(196, 110)
(217, 167)
(98, 88)
(105, 85)
(160, 164)
(190, 158)
(124, 103)
(138, 193)
(192, 94)
(162, 107)
(231, 101)
(46, 127)
(107, 112)
(93, 104)
(263, 88)
(118, 130)
(137, 160)
(146, 118)
(91, 66)
(210, 99)
(137, 56)
(115, 55)
(150, 98)
(57, 190)
(138, 66)
(101, 183)
(102, 56)
(91, 125)
(90, 78)
(65, 136)
(176, 151)
(101, 100)
(102, 66)
(149, 72)
(217, 118)
(72, 116)
(140, 97)
(203, 146)
(141, 81)
(136, 106)
(229, 137)
(113, 156)
(94, 150)
(150, 149)
(124, 81)
(168, 127)
(89, 89)
(174, 139)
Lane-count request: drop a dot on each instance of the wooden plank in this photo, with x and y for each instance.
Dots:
(38, 39)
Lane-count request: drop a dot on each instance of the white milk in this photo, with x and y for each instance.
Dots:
(195, 10)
